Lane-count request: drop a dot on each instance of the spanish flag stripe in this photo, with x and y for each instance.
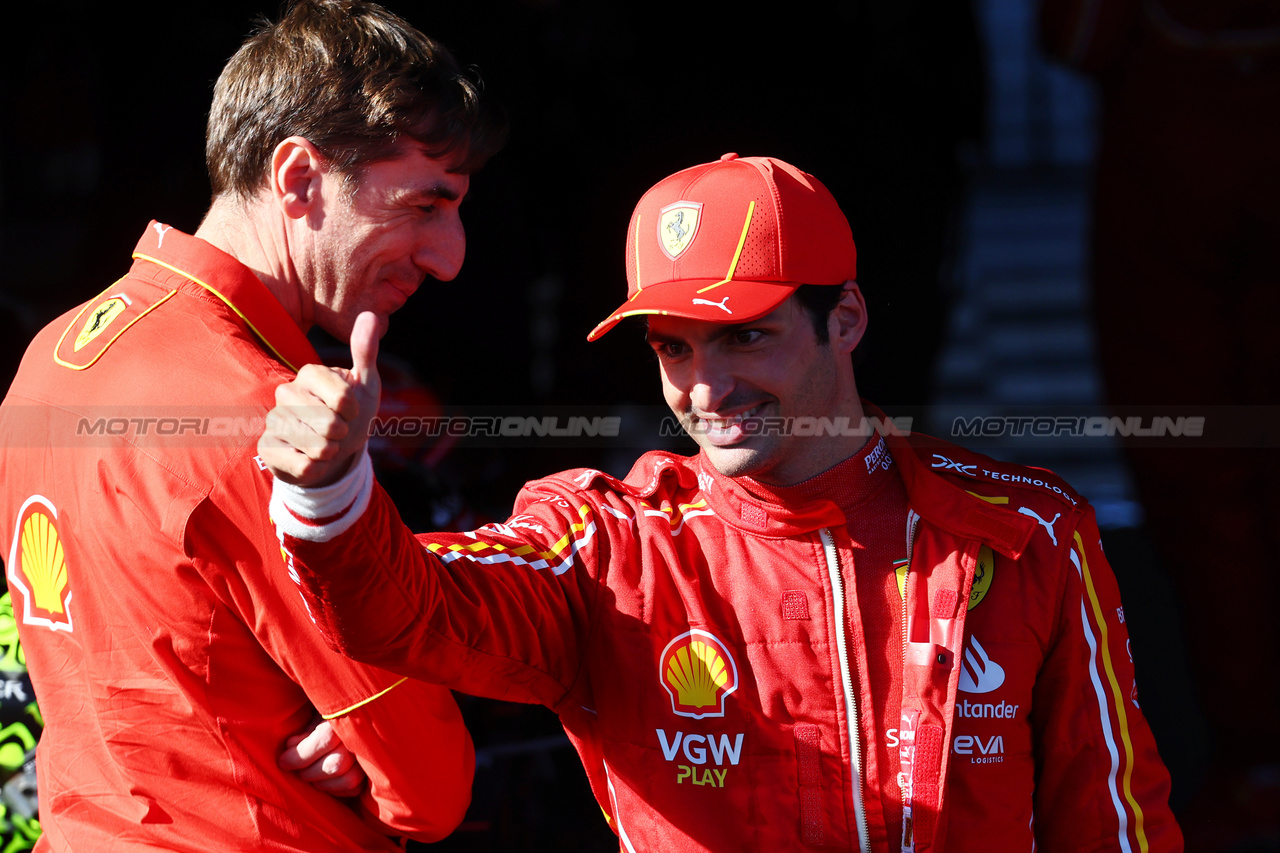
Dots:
(546, 559)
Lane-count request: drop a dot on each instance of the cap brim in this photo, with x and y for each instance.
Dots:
(702, 299)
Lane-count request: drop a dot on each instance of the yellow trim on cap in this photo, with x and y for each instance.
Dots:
(625, 314)
(742, 241)
(363, 702)
(228, 302)
(637, 250)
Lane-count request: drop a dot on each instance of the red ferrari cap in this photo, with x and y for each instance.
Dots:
(729, 241)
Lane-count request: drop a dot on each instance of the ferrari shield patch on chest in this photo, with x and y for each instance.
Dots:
(678, 226)
(982, 576)
(38, 566)
(103, 320)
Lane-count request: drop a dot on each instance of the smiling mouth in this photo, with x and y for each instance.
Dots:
(722, 432)
(399, 295)
(727, 423)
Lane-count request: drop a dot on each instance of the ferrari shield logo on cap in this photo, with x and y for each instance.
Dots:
(698, 672)
(38, 566)
(677, 226)
(99, 319)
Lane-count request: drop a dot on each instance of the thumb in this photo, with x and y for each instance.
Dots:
(364, 348)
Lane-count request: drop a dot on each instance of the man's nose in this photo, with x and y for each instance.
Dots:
(712, 384)
(443, 247)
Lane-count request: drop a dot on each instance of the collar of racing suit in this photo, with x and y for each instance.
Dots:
(168, 256)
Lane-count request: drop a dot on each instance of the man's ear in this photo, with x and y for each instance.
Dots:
(848, 321)
(297, 169)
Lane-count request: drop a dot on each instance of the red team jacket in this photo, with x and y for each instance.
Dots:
(161, 636)
(707, 658)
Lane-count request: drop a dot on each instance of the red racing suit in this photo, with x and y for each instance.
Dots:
(161, 637)
(705, 651)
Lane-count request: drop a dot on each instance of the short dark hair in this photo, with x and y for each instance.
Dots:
(353, 79)
(818, 301)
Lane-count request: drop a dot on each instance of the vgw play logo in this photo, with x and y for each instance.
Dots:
(698, 671)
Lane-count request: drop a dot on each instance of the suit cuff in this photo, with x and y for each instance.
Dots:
(318, 514)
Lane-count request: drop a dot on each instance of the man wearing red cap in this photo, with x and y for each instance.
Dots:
(807, 635)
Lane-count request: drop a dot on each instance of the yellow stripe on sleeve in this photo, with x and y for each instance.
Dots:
(1116, 693)
(363, 702)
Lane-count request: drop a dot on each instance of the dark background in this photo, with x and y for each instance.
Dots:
(888, 103)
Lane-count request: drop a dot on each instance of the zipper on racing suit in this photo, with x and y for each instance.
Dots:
(908, 717)
(846, 677)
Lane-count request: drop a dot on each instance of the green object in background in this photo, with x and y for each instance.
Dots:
(11, 657)
(20, 727)
(17, 832)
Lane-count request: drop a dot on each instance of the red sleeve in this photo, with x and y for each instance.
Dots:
(502, 611)
(1100, 782)
(411, 743)
(408, 736)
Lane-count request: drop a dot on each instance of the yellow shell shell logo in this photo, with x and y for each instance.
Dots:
(677, 226)
(38, 567)
(982, 576)
(98, 320)
(698, 672)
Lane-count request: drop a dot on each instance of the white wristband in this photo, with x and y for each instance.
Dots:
(342, 503)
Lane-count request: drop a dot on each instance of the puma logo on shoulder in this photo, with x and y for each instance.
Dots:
(1047, 525)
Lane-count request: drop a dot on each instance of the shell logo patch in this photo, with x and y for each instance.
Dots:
(99, 318)
(677, 226)
(38, 566)
(698, 672)
(982, 576)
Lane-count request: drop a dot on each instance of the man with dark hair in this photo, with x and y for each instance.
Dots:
(159, 623)
(809, 634)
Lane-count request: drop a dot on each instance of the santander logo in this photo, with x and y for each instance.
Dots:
(979, 673)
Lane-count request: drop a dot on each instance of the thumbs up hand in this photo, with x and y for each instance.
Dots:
(321, 419)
